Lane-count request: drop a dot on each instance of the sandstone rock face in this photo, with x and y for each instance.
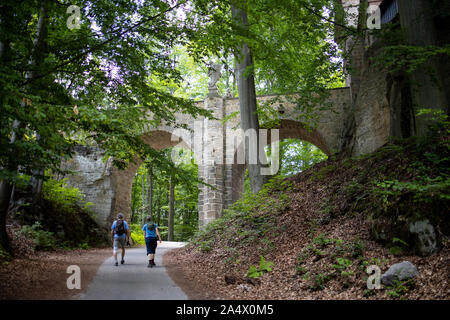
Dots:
(425, 241)
(93, 176)
(399, 271)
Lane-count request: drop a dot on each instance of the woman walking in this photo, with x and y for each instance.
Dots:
(151, 232)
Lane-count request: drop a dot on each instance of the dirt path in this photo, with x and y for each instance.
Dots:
(43, 276)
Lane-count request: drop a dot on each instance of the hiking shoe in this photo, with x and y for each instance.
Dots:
(122, 261)
(149, 265)
(153, 263)
(116, 264)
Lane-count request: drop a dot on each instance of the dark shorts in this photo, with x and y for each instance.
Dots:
(151, 244)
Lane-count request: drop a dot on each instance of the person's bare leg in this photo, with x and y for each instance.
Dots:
(123, 254)
(115, 254)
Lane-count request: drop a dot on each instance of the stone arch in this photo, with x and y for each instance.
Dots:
(123, 179)
(296, 130)
(287, 129)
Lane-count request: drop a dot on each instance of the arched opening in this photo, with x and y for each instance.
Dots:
(300, 148)
(297, 155)
(161, 192)
(123, 179)
(296, 130)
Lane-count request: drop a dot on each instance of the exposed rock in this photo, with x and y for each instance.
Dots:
(425, 241)
(244, 287)
(399, 271)
(93, 177)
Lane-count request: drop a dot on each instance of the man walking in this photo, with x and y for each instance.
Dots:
(121, 236)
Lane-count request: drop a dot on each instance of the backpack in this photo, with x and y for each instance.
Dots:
(120, 227)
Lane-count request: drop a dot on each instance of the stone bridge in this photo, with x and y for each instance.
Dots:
(360, 119)
(214, 143)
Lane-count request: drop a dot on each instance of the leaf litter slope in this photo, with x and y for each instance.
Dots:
(317, 228)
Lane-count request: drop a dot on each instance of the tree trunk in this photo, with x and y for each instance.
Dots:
(5, 185)
(5, 192)
(171, 208)
(150, 192)
(248, 105)
(143, 199)
(416, 19)
(36, 180)
(158, 206)
(35, 183)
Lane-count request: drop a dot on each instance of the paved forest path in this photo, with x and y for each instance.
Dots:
(133, 280)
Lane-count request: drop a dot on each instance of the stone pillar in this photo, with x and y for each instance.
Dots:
(211, 167)
(234, 167)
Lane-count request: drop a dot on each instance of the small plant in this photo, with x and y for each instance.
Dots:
(400, 288)
(318, 253)
(4, 256)
(342, 264)
(301, 270)
(43, 240)
(302, 256)
(205, 246)
(84, 246)
(319, 281)
(339, 249)
(264, 266)
(368, 292)
(399, 247)
(322, 241)
(353, 188)
(356, 248)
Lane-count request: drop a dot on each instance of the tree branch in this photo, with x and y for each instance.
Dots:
(99, 46)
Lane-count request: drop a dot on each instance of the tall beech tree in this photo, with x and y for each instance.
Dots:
(248, 104)
(288, 47)
(92, 84)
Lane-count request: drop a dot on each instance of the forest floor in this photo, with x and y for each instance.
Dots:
(216, 279)
(316, 230)
(42, 275)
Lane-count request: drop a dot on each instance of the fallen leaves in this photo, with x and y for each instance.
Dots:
(222, 271)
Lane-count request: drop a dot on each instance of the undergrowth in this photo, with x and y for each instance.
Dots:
(60, 218)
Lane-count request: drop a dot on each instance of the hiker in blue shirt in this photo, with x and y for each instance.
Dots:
(121, 236)
(150, 233)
